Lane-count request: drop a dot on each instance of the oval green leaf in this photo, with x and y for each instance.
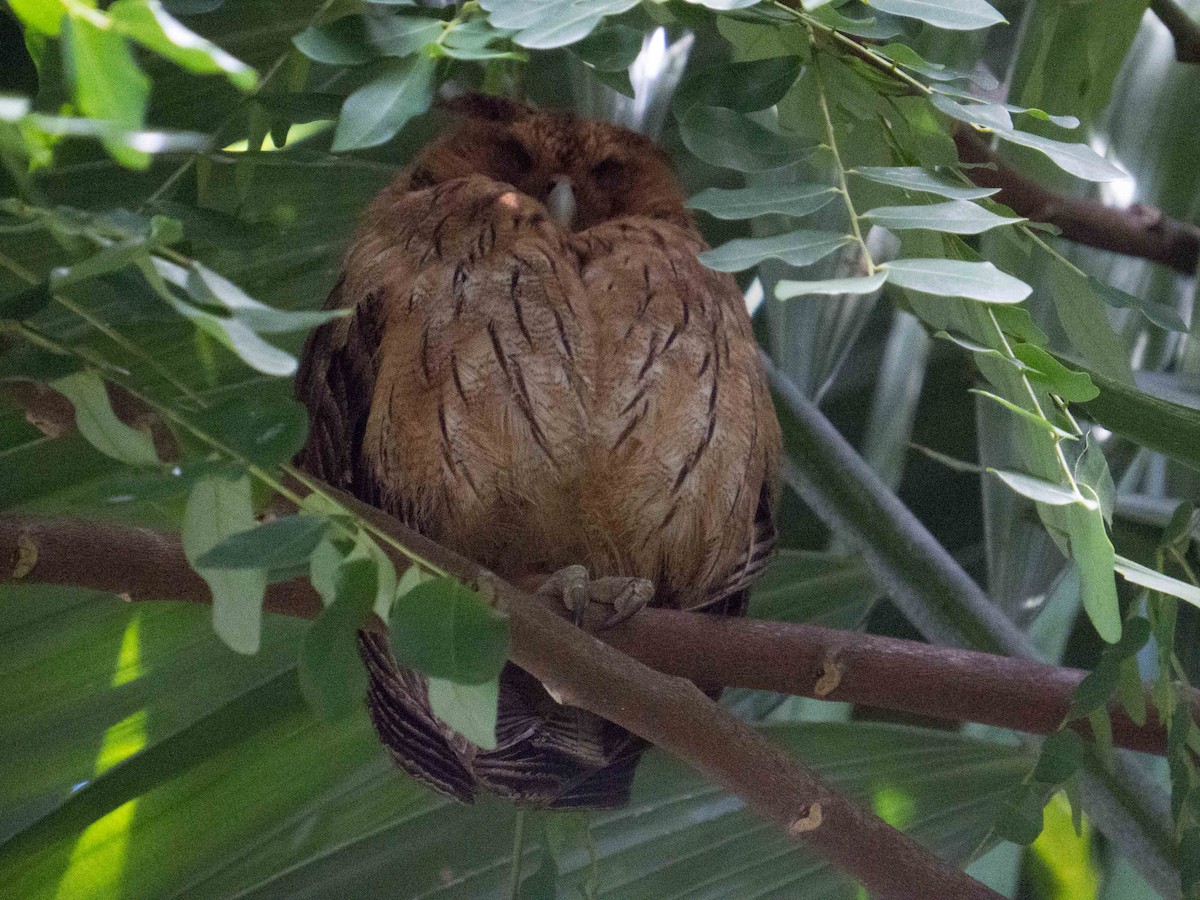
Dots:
(957, 278)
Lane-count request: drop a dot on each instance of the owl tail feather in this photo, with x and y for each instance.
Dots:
(547, 755)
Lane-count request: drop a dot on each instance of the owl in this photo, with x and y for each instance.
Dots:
(538, 373)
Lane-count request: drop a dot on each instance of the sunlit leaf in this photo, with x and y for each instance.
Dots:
(44, 15)
(153, 27)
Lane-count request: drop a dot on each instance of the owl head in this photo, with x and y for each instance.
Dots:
(585, 171)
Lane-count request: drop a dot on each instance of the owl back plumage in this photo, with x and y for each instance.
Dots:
(535, 397)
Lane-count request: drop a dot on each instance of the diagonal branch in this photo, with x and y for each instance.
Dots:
(671, 712)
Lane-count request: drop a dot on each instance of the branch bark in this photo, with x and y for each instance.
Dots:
(671, 712)
(786, 657)
(1141, 231)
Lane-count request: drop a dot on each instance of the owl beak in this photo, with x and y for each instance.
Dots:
(561, 202)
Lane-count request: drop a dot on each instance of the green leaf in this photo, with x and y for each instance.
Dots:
(909, 58)
(867, 284)
(331, 671)
(229, 331)
(266, 431)
(1063, 753)
(987, 115)
(106, 82)
(803, 586)
(956, 15)
(26, 303)
(954, 216)
(374, 113)
(1078, 159)
(26, 363)
(543, 24)
(446, 630)
(44, 15)
(1041, 490)
(278, 544)
(799, 248)
(98, 423)
(470, 709)
(208, 288)
(763, 199)
(1161, 314)
(1093, 553)
(1136, 573)
(342, 42)
(146, 22)
(914, 178)
(1084, 320)
(610, 48)
(474, 40)
(1020, 817)
(1043, 368)
(403, 35)
(218, 508)
(112, 258)
(1150, 421)
(1031, 417)
(742, 86)
(956, 278)
(726, 138)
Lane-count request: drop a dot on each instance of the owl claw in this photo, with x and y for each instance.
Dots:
(577, 591)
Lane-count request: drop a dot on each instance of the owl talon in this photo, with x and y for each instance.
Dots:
(577, 591)
(627, 597)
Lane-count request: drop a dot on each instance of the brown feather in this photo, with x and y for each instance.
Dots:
(535, 397)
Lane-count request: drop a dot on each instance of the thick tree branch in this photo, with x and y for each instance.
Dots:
(1184, 29)
(789, 658)
(671, 712)
(1141, 231)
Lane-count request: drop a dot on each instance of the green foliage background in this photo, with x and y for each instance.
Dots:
(155, 240)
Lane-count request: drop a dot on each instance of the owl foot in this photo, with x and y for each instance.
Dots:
(577, 590)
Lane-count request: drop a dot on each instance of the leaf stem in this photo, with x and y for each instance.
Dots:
(843, 187)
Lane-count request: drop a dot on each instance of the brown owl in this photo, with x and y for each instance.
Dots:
(539, 374)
